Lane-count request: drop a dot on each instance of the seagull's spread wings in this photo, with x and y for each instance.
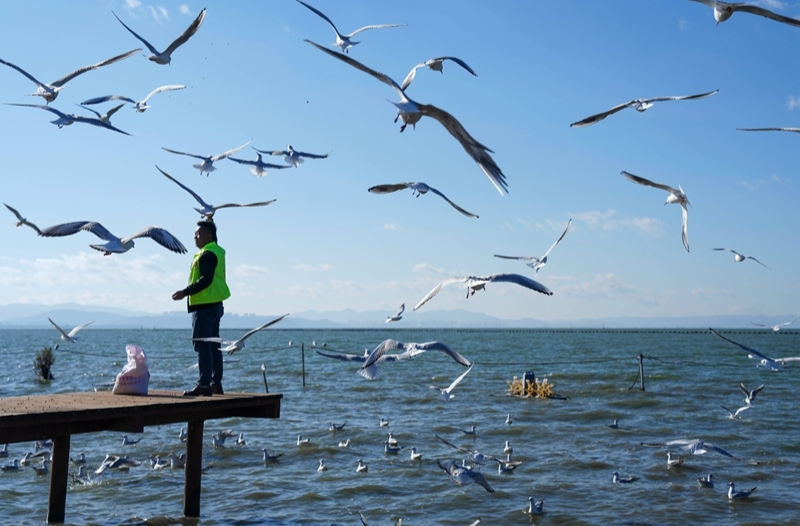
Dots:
(681, 97)
(387, 188)
(311, 155)
(268, 324)
(374, 26)
(401, 310)
(735, 414)
(755, 10)
(647, 182)
(66, 78)
(415, 349)
(434, 63)
(795, 130)
(160, 236)
(203, 157)
(191, 30)
(74, 331)
(440, 194)
(745, 348)
(238, 205)
(22, 220)
(569, 224)
(99, 100)
(437, 288)
(588, 121)
(28, 75)
(153, 50)
(228, 153)
(197, 197)
(358, 65)
(162, 89)
(67, 229)
(458, 380)
(684, 231)
(322, 16)
(59, 329)
(343, 356)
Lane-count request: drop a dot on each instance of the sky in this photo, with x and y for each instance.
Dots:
(327, 244)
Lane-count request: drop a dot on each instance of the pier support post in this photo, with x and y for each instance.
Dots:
(640, 357)
(59, 470)
(194, 461)
(303, 358)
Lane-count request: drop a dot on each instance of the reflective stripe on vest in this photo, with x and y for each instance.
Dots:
(218, 290)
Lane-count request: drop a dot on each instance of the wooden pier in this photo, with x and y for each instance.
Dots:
(59, 416)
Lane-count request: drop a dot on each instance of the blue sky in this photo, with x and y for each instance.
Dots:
(326, 243)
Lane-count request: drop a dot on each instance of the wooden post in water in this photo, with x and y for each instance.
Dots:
(640, 357)
(264, 374)
(58, 479)
(303, 358)
(193, 469)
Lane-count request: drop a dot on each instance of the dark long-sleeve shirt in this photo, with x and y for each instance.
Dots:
(208, 265)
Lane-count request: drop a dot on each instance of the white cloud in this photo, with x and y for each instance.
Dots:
(390, 226)
(681, 24)
(133, 4)
(771, 4)
(605, 221)
(793, 103)
(246, 271)
(184, 9)
(605, 286)
(428, 269)
(322, 267)
(159, 13)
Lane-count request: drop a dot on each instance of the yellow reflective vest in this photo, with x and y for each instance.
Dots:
(218, 290)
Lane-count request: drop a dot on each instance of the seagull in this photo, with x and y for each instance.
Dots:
(508, 449)
(66, 119)
(80, 477)
(397, 316)
(232, 346)
(446, 393)
(750, 395)
(470, 431)
(44, 468)
(734, 495)
(69, 336)
(776, 328)
(336, 427)
(740, 257)
(258, 167)
(165, 56)
(4, 451)
(361, 467)
(724, 10)
(418, 190)
(80, 459)
(463, 476)
(415, 455)
(177, 461)
(794, 130)
(115, 462)
(772, 364)
(292, 156)
(322, 466)
(218, 441)
(399, 521)
(411, 112)
(613, 425)
(346, 443)
(738, 411)
(391, 440)
(673, 462)
(639, 105)
(106, 117)
(475, 283)
(675, 196)
(534, 262)
(26, 459)
(436, 65)
(706, 482)
(623, 480)
(207, 166)
(383, 422)
(114, 244)
(302, 441)
(11, 467)
(240, 440)
(508, 422)
(343, 42)
(141, 105)
(509, 462)
(50, 91)
(182, 435)
(270, 458)
(129, 441)
(369, 368)
(21, 220)
(695, 446)
(534, 508)
(474, 455)
(393, 450)
(207, 210)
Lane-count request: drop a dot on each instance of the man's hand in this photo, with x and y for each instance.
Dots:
(179, 295)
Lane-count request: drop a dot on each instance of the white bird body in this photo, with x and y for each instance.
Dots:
(302, 441)
(322, 466)
(675, 196)
(613, 425)
(415, 455)
(736, 495)
(118, 463)
(771, 364)
(476, 283)
(673, 462)
(361, 467)
(447, 392)
(737, 412)
(240, 440)
(741, 257)
(538, 262)
(165, 57)
(21, 220)
(724, 10)
(391, 440)
(534, 508)
(259, 167)
(69, 336)
(508, 449)
(344, 42)
(129, 441)
(207, 166)
(141, 105)
(293, 157)
(232, 346)
(750, 395)
(383, 422)
(389, 449)
(397, 316)
(418, 190)
(115, 245)
(639, 105)
(43, 468)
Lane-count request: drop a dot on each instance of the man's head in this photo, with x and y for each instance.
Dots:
(205, 233)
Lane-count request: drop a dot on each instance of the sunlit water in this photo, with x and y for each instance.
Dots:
(568, 451)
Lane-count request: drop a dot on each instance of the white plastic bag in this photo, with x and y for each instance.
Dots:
(135, 376)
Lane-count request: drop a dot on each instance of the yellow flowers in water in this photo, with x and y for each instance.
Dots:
(534, 389)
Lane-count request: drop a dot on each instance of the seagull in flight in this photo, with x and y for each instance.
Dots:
(66, 119)
(343, 42)
(733, 494)
(397, 316)
(724, 10)
(207, 166)
(462, 475)
(436, 65)
(165, 57)
(750, 395)
(794, 130)
(50, 91)
(258, 167)
(534, 262)
(22, 221)
(741, 257)
(69, 336)
(771, 364)
(369, 368)
(292, 156)
(418, 190)
(232, 346)
(115, 245)
(675, 196)
(411, 112)
(140, 106)
(639, 105)
(446, 393)
(735, 414)
(106, 117)
(475, 283)
(775, 328)
(695, 446)
(207, 210)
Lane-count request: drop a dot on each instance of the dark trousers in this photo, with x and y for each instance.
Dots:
(205, 324)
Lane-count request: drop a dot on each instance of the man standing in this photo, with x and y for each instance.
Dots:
(206, 292)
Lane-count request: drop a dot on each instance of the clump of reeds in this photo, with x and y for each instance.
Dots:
(43, 362)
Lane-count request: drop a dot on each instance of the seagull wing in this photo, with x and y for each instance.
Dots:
(783, 361)
(98, 100)
(74, 331)
(59, 329)
(729, 250)
(97, 122)
(160, 236)
(67, 229)
(450, 465)
(519, 280)
(430, 63)
(322, 16)
(14, 211)
(268, 324)
(436, 290)
(411, 75)
(343, 356)
(203, 157)
(588, 121)
(363, 519)
(229, 152)
(401, 310)
(197, 197)
(569, 224)
(721, 451)
(682, 97)
(684, 231)
(440, 194)
(648, 182)
(523, 258)
(381, 349)
(757, 261)
(237, 205)
(272, 152)
(760, 11)
(779, 325)
(153, 50)
(795, 130)
(742, 347)
(456, 60)
(415, 349)
(311, 155)
(43, 107)
(374, 26)
(458, 380)
(66, 78)
(28, 75)
(112, 111)
(163, 88)
(191, 30)
(387, 188)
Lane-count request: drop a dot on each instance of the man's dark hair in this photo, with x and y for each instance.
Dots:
(210, 227)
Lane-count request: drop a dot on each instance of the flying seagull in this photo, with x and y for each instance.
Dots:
(343, 42)
(735, 414)
(292, 156)
(22, 221)
(258, 167)
(50, 91)
(772, 364)
(69, 336)
(724, 10)
(207, 166)
(462, 475)
(418, 190)
(106, 117)
(114, 244)
(411, 112)
(141, 105)
(675, 196)
(361, 358)
(741, 257)
(750, 395)
(534, 262)
(66, 119)
(232, 346)
(775, 328)
(207, 210)
(639, 105)
(397, 316)
(475, 283)
(446, 392)
(166, 56)
(436, 65)
(369, 369)
(794, 130)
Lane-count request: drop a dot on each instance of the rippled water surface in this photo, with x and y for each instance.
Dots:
(568, 451)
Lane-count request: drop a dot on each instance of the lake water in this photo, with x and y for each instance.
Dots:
(569, 453)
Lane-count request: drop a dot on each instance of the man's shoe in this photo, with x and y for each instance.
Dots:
(198, 390)
(216, 388)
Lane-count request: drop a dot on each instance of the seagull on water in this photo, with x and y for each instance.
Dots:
(50, 91)
(346, 443)
(622, 480)
(471, 431)
(69, 336)
(738, 411)
(43, 468)
(613, 425)
(673, 462)
(391, 440)
(129, 441)
(21, 220)
(414, 455)
(411, 112)
(508, 422)
(118, 463)
(534, 508)
(182, 435)
(505, 469)
(11, 467)
(389, 449)
(292, 156)
(218, 441)
(67, 119)
(336, 427)
(270, 458)
(777, 327)
(418, 190)
(26, 459)
(538, 262)
(724, 10)
(741, 257)
(232, 346)
(369, 368)
(736, 495)
(383, 422)
(258, 167)
(435, 64)
(397, 316)
(476, 283)
(207, 210)
(240, 440)
(706, 482)
(361, 467)
(364, 519)
(302, 441)
(750, 395)
(508, 449)
(141, 105)
(114, 244)
(164, 57)
(508, 462)
(772, 364)
(639, 105)
(343, 42)
(4, 451)
(463, 476)
(322, 466)
(447, 392)
(695, 446)
(207, 166)
(675, 196)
